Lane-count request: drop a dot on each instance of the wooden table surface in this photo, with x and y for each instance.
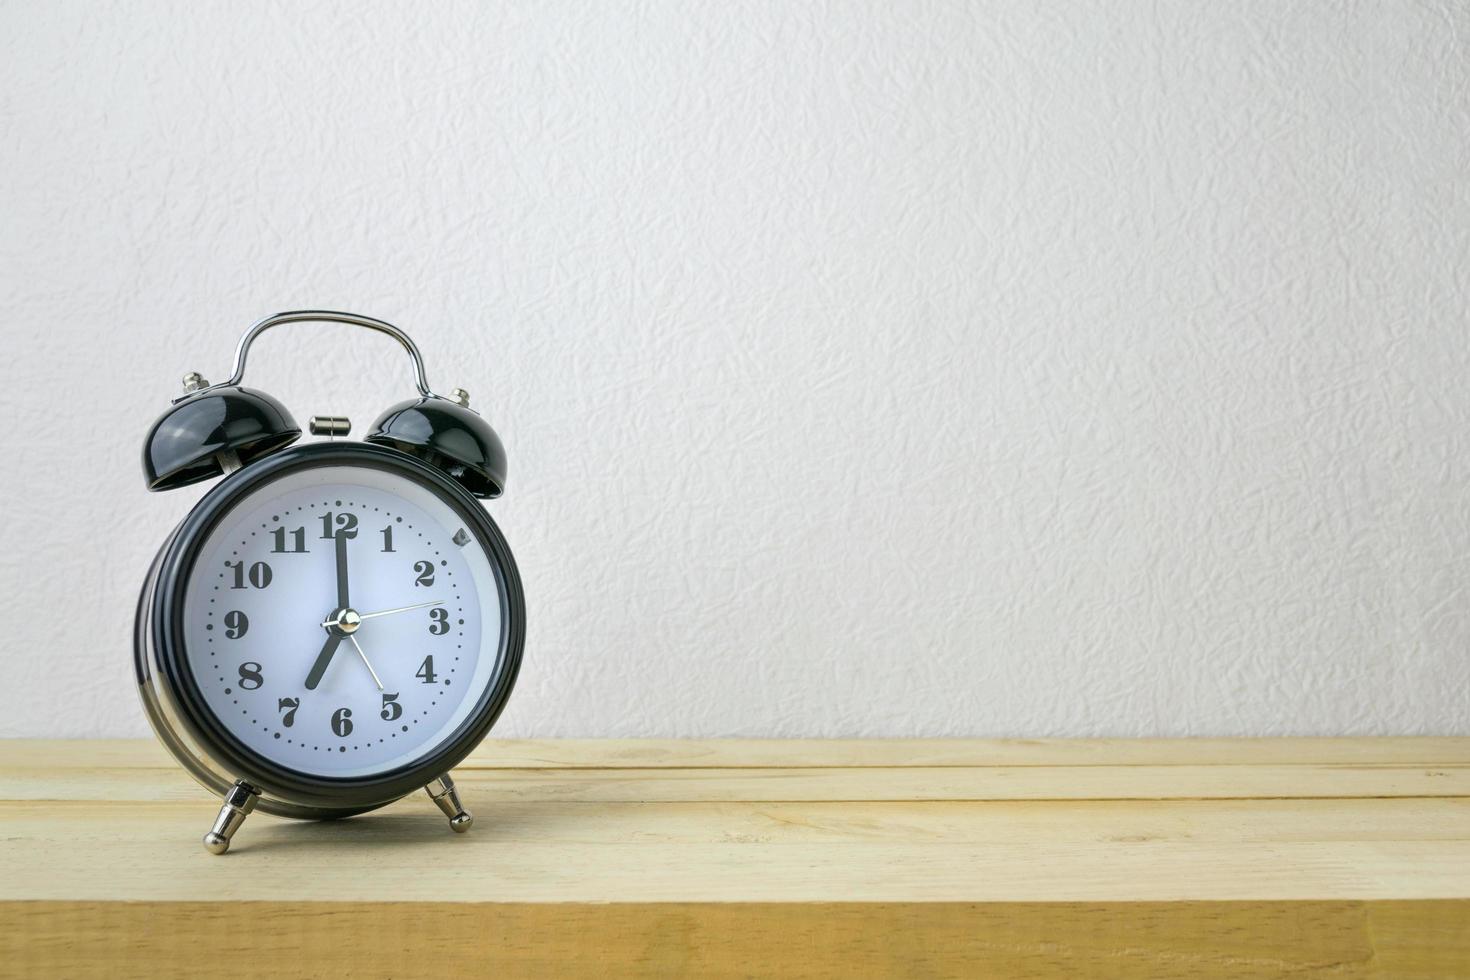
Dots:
(1331, 857)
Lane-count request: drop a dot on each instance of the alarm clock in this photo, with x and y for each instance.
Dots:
(335, 624)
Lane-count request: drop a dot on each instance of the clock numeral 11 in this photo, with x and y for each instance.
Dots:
(298, 541)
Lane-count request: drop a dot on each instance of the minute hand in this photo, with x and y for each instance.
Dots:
(389, 612)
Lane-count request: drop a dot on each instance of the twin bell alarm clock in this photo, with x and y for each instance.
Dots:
(336, 624)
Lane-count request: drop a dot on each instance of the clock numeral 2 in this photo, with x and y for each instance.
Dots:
(392, 710)
(259, 574)
(342, 722)
(346, 525)
(298, 542)
(438, 621)
(250, 677)
(425, 572)
(289, 706)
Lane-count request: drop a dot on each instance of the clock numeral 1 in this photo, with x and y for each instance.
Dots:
(392, 710)
(346, 525)
(289, 706)
(259, 574)
(342, 722)
(388, 538)
(426, 671)
(298, 541)
(438, 621)
(250, 677)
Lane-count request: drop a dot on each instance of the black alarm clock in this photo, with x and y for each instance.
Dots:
(336, 624)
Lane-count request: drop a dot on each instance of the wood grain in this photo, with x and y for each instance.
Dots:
(737, 858)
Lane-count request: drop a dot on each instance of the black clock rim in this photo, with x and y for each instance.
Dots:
(272, 779)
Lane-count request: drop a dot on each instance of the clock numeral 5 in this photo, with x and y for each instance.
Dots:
(259, 574)
(392, 710)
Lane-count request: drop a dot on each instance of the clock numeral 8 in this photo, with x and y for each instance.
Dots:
(250, 677)
(438, 621)
(342, 722)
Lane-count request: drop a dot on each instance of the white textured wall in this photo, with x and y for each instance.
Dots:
(866, 368)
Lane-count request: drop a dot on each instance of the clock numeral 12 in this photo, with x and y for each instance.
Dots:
(346, 525)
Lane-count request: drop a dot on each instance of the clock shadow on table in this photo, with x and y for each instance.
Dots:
(397, 826)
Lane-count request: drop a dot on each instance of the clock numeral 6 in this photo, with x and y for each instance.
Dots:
(425, 572)
(250, 678)
(392, 710)
(346, 525)
(438, 621)
(289, 706)
(342, 722)
(259, 574)
(237, 624)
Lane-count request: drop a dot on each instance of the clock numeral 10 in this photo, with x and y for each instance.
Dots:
(259, 574)
(298, 542)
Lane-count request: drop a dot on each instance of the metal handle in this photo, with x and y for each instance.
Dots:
(242, 351)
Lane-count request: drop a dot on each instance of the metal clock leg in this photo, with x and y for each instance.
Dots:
(442, 792)
(239, 801)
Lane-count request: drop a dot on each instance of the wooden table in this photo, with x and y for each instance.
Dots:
(1189, 858)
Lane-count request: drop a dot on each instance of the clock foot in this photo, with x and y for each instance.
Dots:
(239, 801)
(442, 792)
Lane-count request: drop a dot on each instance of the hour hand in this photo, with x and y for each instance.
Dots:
(325, 657)
(342, 602)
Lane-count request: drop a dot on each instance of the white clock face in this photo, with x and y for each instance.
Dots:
(343, 620)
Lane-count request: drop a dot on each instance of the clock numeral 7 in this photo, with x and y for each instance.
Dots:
(289, 706)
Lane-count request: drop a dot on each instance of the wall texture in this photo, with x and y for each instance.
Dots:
(867, 368)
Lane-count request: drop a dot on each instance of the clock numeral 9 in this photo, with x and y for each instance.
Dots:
(259, 574)
(289, 706)
(425, 572)
(346, 525)
(250, 677)
(438, 621)
(237, 624)
(342, 722)
(392, 710)
(298, 542)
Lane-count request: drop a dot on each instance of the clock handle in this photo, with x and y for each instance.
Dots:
(242, 350)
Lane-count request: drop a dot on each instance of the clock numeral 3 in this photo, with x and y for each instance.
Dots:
(342, 722)
(259, 574)
(392, 710)
(438, 621)
(237, 624)
(346, 525)
(298, 542)
(425, 571)
(289, 706)
(250, 677)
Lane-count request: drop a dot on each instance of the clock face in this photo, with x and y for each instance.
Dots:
(344, 621)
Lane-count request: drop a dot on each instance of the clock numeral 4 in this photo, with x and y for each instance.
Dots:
(342, 722)
(426, 671)
(298, 541)
(258, 575)
(392, 710)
